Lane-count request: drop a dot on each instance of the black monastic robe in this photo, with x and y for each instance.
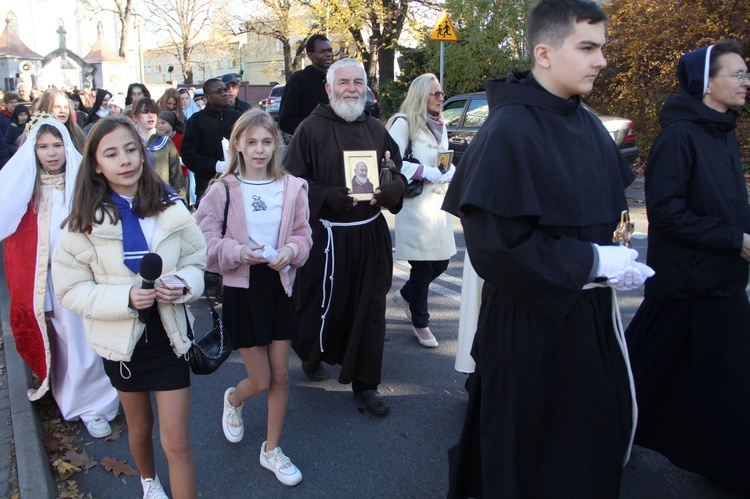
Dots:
(550, 412)
(362, 255)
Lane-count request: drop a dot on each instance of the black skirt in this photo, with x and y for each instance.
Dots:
(692, 380)
(153, 367)
(260, 314)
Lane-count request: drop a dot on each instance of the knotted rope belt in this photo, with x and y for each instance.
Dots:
(331, 257)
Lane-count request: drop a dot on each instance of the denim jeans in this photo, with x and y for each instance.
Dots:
(415, 290)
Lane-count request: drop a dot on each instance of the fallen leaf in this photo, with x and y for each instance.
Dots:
(117, 430)
(81, 460)
(117, 467)
(51, 443)
(63, 469)
(69, 490)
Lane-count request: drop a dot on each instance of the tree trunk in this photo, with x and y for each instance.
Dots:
(188, 76)
(126, 15)
(288, 62)
(391, 31)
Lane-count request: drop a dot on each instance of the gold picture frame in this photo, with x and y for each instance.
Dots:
(444, 161)
(353, 169)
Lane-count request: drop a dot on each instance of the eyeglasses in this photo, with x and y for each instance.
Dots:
(438, 95)
(218, 91)
(740, 75)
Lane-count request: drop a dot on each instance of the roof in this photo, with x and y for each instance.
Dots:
(12, 46)
(101, 53)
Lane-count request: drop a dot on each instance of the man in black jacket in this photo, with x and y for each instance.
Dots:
(202, 151)
(306, 88)
(232, 81)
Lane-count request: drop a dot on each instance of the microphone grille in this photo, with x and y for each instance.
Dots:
(150, 268)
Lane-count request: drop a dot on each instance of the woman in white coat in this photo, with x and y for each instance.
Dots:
(424, 233)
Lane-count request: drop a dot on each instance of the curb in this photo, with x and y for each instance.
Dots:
(32, 464)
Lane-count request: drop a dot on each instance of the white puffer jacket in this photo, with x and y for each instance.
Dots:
(91, 280)
(423, 230)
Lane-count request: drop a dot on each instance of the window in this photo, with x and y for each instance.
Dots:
(147, 69)
(157, 68)
(477, 113)
(452, 112)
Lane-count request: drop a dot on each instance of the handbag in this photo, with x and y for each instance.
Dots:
(415, 187)
(209, 352)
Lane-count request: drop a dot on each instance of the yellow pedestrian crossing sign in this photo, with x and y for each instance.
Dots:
(444, 30)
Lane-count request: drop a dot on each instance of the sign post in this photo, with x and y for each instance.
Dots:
(443, 31)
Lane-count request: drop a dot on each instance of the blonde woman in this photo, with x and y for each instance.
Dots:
(424, 233)
(57, 103)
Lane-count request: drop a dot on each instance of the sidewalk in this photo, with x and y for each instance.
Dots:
(21, 426)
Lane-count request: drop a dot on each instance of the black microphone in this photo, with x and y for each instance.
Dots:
(150, 271)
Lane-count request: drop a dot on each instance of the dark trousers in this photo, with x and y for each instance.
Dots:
(415, 290)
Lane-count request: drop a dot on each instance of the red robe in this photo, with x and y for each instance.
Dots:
(25, 272)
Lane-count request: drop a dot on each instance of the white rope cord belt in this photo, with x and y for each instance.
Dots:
(620, 335)
(331, 256)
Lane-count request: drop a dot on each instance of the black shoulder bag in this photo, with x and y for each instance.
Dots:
(209, 352)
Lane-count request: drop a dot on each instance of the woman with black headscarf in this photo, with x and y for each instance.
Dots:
(16, 128)
(690, 339)
(136, 91)
(100, 109)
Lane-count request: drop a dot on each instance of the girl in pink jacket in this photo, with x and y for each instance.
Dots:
(257, 249)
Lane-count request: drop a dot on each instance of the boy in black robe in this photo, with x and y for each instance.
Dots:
(540, 191)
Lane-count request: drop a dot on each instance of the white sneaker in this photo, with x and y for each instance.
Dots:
(231, 419)
(286, 472)
(152, 488)
(98, 428)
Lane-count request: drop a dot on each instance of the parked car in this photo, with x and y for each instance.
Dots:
(464, 114)
(273, 103)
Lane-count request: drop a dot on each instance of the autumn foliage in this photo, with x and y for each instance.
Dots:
(645, 41)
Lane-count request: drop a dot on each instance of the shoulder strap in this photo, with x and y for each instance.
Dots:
(407, 151)
(226, 210)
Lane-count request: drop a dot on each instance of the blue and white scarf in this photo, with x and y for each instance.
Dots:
(134, 244)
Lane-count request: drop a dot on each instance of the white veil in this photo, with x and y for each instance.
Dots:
(19, 174)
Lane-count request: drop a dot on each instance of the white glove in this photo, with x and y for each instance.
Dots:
(447, 176)
(614, 259)
(432, 174)
(632, 277)
(221, 166)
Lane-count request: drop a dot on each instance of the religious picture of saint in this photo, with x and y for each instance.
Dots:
(359, 164)
(444, 161)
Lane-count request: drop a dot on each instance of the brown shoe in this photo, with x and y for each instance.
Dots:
(372, 402)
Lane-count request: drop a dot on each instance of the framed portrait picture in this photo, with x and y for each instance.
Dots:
(361, 167)
(444, 160)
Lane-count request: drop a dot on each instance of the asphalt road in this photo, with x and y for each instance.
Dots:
(343, 452)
